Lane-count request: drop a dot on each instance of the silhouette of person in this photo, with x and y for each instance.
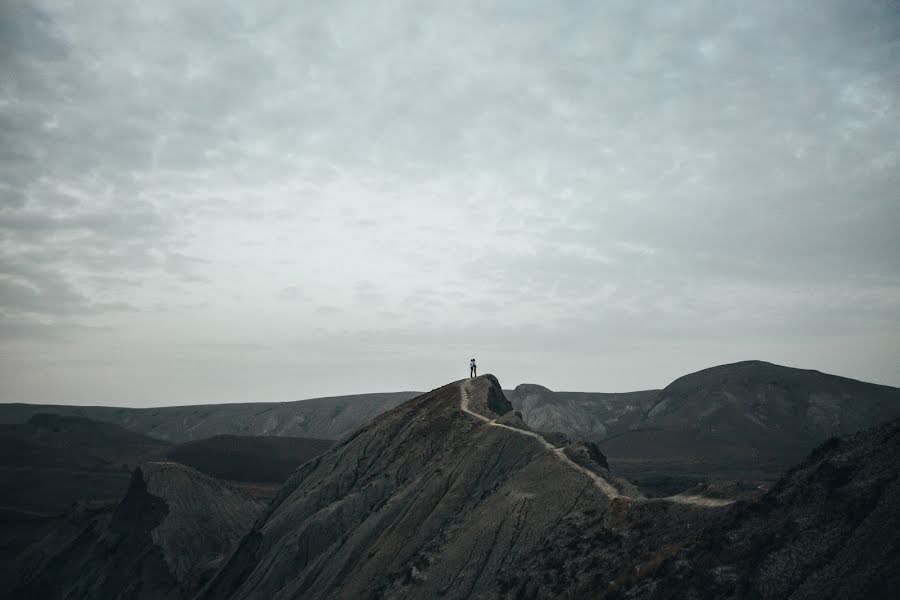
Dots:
(473, 369)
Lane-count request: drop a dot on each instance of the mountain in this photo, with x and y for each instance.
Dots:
(445, 496)
(452, 495)
(581, 415)
(745, 420)
(328, 418)
(163, 540)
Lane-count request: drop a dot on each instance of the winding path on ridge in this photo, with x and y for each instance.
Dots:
(604, 486)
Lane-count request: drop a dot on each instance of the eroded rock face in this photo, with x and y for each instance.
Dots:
(206, 518)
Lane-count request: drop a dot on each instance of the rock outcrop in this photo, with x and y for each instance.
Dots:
(163, 540)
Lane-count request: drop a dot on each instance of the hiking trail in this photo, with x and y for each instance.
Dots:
(604, 486)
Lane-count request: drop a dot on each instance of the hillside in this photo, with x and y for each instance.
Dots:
(828, 529)
(326, 418)
(163, 540)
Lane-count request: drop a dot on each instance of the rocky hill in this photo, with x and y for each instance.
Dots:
(448, 495)
(746, 420)
(326, 418)
(163, 540)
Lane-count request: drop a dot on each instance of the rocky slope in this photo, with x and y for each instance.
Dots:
(328, 418)
(829, 529)
(163, 540)
(438, 498)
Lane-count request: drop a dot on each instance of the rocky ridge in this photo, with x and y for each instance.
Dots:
(436, 498)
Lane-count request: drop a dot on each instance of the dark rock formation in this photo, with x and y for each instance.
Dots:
(163, 540)
(830, 528)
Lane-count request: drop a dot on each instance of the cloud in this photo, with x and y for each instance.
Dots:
(561, 178)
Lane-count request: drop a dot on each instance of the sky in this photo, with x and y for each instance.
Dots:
(217, 201)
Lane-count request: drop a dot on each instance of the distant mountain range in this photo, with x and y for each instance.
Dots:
(325, 418)
(743, 421)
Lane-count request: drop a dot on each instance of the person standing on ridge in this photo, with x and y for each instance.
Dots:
(473, 370)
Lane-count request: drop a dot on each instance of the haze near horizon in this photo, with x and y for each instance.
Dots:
(222, 201)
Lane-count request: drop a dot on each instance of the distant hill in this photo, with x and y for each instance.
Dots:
(325, 418)
(745, 420)
(264, 459)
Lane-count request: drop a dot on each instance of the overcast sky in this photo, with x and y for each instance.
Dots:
(273, 200)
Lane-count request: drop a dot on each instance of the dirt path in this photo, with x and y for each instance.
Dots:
(604, 486)
(601, 483)
(696, 500)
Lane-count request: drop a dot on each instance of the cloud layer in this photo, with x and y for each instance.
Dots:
(219, 201)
